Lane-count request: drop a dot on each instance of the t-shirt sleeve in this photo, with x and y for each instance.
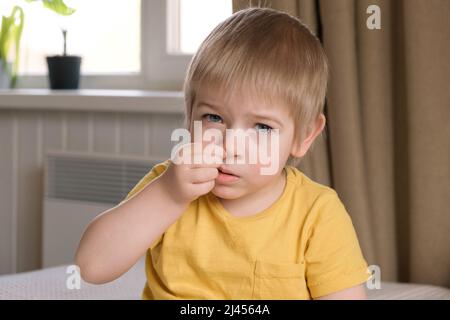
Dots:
(333, 257)
(155, 172)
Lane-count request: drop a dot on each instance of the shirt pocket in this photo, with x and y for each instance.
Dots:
(275, 281)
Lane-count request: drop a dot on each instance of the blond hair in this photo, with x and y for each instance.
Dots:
(267, 53)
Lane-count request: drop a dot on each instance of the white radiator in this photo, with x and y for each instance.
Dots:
(78, 187)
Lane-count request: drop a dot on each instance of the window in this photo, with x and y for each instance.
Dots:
(190, 22)
(170, 39)
(106, 33)
(125, 44)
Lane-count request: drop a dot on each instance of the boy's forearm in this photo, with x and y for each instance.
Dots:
(117, 238)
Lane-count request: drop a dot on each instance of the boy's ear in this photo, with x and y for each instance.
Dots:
(299, 149)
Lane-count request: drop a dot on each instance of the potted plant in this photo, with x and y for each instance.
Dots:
(63, 70)
(10, 34)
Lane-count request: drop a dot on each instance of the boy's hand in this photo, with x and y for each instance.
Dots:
(188, 180)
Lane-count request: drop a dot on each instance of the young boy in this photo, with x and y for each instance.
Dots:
(226, 231)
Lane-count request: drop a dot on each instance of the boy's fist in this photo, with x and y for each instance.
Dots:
(192, 172)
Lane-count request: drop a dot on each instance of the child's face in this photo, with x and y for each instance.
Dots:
(241, 112)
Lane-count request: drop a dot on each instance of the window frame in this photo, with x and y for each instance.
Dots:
(170, 67)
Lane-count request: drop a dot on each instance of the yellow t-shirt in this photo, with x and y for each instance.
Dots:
(303, 246)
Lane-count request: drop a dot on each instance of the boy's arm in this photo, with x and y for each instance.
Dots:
(117, 238)
(336, 268)
(354, 293)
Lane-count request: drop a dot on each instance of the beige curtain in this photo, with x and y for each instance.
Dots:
(387, 145)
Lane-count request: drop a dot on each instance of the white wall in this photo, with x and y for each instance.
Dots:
(32, 123)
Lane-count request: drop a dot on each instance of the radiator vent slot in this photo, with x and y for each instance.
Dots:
(93, 178)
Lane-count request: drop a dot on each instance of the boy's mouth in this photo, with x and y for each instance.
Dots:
(226, 176)
(226, 171)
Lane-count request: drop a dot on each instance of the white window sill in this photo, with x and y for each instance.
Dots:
(140, 101)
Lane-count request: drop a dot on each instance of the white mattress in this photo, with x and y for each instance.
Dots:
(50, 283)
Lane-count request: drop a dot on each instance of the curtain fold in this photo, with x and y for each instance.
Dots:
(387, 146)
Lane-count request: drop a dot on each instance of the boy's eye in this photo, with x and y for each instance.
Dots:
(212, 117)
(263, 127)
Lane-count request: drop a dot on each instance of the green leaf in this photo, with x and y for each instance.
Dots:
(57, 6)
(17, 34)
(10, 34)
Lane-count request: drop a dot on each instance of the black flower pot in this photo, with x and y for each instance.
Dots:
(64, 72)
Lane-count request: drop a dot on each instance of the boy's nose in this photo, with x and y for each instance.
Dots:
(227, 153)
(233, 149)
